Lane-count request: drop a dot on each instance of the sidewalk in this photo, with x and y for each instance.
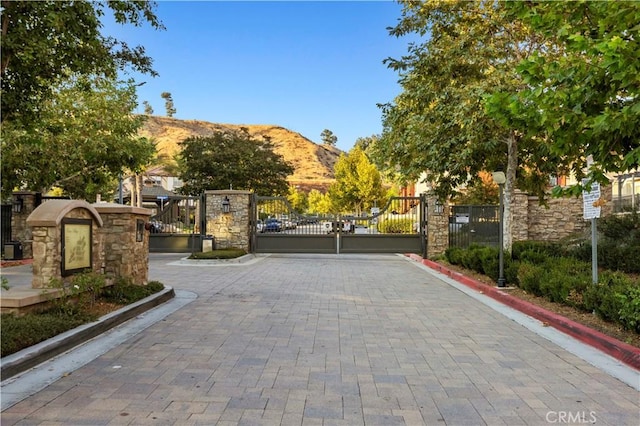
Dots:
(333, 340)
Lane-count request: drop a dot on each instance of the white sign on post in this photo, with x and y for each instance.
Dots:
(589, 199)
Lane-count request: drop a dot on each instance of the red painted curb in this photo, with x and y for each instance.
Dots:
(9, 263)
(621, 351)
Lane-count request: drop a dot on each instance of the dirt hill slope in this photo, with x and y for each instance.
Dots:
(313, 163)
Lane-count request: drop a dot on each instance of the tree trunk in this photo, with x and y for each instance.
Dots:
(139, 190)
(133, 193)
(509, 189)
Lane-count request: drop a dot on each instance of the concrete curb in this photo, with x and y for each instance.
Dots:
(621, 351)
(30, 357)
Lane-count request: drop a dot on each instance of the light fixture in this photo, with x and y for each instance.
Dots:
(18, 203)
(439, 207)
(500, 179)
(226, 205)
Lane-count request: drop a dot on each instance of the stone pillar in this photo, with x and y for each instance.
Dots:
(437, 226)
(19, 229)
(125, 241)
(230, 230)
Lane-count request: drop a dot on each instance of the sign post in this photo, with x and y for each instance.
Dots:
(592, 209)
(162, 199)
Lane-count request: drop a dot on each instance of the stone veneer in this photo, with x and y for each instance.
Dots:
(437, 227)
(45, 223)
(19, 229)
(122, 254)
(230, 230)
(115, 249)
(562, 218)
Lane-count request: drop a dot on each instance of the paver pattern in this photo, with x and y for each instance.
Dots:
(329, 340)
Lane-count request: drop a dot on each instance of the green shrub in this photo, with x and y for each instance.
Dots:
(19, 332)
(618, 245)
(529, 277)
(511, 271)
(563, 278)
(612, 255)
(601, 298)
(629, 308)
(230, 253)
(124, 292)
(547, 248)
(454, 255)
(471, 259)
(397, 226)
(490, 260)
(533, 256)
(624, 228)
(80, 292)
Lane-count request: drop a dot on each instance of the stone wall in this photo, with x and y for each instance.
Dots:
(125, 252)
(230, 230)
(560, 218)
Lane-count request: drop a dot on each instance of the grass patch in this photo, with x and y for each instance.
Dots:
(20, 332)
(230, 253)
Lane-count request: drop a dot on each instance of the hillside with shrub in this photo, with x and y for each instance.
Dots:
(313, 163)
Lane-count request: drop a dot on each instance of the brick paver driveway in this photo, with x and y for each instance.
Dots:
(330, 340)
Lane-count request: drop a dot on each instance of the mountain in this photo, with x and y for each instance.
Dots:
(313, 163)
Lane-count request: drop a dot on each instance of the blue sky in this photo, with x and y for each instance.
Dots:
(306, 66)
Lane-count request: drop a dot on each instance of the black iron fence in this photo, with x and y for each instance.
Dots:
(177, 215)
(474, 225)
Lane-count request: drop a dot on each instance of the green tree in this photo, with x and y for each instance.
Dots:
(298, 199)
(585, 102)
(479, 192)
(328, 138)
(44, 41)
(168, 103)
(319, 203)
(87, 135)
(358, 184)
(148, 110)
(233, 159)
(438, 124)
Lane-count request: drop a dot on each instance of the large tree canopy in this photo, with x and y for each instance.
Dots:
(43, 41)
(235, 160)
(85, 137)
(438, 124)
(585, 102)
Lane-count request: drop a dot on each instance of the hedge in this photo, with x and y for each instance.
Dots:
(540, 270)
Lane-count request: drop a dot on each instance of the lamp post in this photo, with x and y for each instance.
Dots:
(500, 179)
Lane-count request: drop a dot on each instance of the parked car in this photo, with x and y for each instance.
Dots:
(289, 224)
(345, 226)
(272, 225)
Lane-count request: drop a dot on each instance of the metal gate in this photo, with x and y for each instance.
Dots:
(178, 226)
(398, 227)
(7, 210)
(474, 225)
